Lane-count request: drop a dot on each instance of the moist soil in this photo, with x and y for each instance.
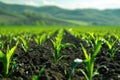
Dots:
(29, 63)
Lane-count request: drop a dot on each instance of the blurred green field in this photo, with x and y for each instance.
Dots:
(83, 29)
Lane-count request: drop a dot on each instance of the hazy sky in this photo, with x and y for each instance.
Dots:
(70, 4)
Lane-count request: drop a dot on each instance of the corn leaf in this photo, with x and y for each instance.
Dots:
(60, 58)
(36, 40)
(84, 74)
(97, 48)
(85, 52)
(24, 41)
(108, 43)
(9, 55)
(43, 38)
(114, 43)
(67, 45)
(54, 43)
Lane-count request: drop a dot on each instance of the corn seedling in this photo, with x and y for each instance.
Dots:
(74, 33)
(10, 38)
(111, 47)
(24, 44)
(89, 60)
(41, 39)
(37, 39)
(36, 77)
(89, 38)
(58, 46)
(6, 59)
(50, 34)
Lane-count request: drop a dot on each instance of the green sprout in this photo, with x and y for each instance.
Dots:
(40, 39)
(51, 33)
(10, 38)
(36, 77)
(58, 46)
(24, 44)
(89, 60)
(6, 59)
(111, 47)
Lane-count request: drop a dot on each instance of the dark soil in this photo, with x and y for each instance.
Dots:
(29, 63)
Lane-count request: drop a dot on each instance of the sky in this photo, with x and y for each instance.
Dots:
(70, 4)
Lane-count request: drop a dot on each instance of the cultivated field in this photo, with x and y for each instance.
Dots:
(55, 53)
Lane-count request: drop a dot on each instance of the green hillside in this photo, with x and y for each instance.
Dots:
(48, 15)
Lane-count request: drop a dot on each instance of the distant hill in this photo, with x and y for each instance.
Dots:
(26, 15)
(48, 15)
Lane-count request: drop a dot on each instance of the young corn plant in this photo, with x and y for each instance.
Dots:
(74, 33)
(90, 59)
(58, 46)
(89, 38)
(51, 33)
(6, 60)
(41, 39)
(111, 47)
(10, 38)
(24, 44)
